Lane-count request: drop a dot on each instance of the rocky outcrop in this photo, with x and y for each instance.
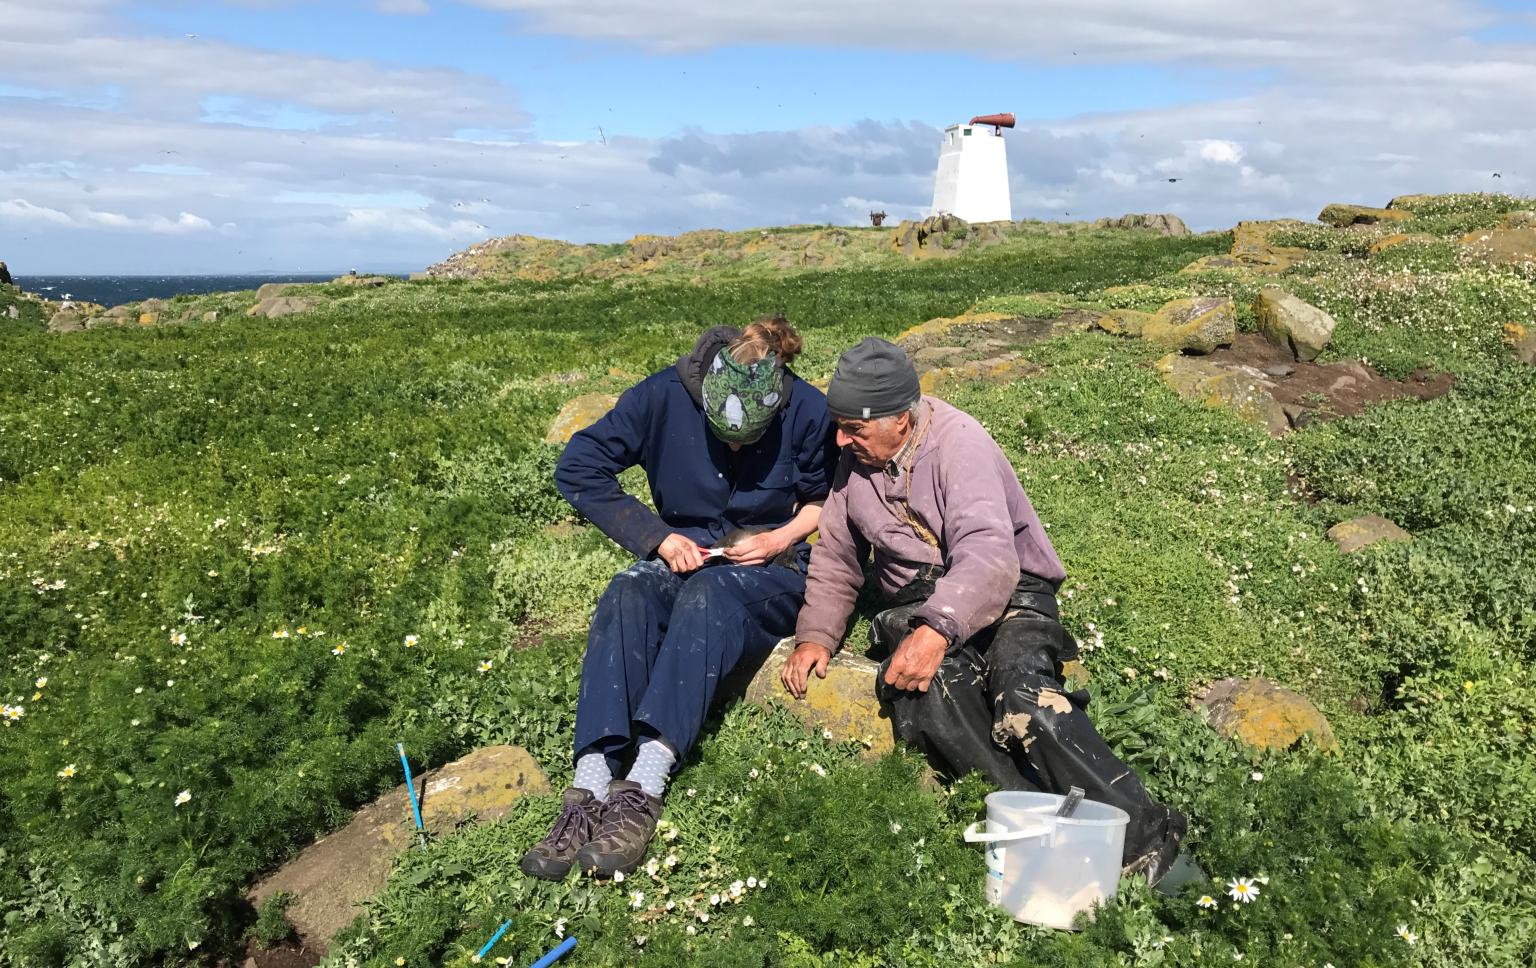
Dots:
(270, 291)
(1252, 251)
(72, 316)
(1342, 216)
(1362, 532)
(577, 414)
(363, 282)
(5, 276)
(1255, 377)
(1196, 325)
(1514, 220)
(985, 346)
(1410, 202)
(278, 306)
(944, 235)
(1265, 714)
(332, 876)
(65, 321)
(1504, 247)
(1163, 224)
(843, 703)
(1291, 323)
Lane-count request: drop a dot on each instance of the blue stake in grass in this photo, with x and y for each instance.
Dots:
(555, 953)
(494, 938)
(410, 789)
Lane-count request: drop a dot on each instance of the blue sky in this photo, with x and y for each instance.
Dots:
(269, 135)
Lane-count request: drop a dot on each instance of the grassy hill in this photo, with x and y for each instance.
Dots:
(218, 538)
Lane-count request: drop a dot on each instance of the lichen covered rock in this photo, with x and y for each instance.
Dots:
(1265, 714)
(1197, 325)
(1341, 216)
(843, 703)
(1505, 247)
(333, 875)
(1241, 389)
(1368, 529)
(578, 414)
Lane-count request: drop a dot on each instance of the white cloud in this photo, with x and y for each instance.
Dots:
(22, 210)
(1221, 152)
(1184, 31)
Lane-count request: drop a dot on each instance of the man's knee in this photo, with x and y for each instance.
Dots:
(959, 672)
(1032, 709)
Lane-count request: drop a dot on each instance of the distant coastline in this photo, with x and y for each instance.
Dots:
(116, 290)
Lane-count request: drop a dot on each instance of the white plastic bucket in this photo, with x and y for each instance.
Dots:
(1045, 869)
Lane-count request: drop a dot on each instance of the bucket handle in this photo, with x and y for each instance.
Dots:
(974, 834)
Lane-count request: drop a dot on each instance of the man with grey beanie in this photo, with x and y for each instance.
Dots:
(973, 642)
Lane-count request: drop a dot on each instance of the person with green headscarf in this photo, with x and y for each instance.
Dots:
(739, 453)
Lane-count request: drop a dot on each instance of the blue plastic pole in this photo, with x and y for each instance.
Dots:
(410, 789)
(555, 953)
(495, 937)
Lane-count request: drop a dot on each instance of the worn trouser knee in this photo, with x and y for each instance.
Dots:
(951, 722)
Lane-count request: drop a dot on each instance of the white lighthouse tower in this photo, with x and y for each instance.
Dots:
(972, 180)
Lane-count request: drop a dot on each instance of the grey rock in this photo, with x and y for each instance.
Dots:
(11, 312)
(65, 321)
(1288, 322)
(5, 275)
(274, 289)
(277, 306)
(1163, 224)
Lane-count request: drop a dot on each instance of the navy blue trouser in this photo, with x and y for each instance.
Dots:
(660, 644)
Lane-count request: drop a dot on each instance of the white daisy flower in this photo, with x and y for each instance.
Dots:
(1242, 889)
(183, 797)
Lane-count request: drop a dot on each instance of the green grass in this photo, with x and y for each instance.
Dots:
(374, 471)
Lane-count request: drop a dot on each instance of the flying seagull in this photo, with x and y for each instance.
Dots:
(1175, 179)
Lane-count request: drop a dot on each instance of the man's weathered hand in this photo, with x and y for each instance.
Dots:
(680, 553)
(916, 659)
(806, 657)
(759, 549)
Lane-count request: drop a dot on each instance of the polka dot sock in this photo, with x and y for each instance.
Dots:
(653, 766)
(592, 773)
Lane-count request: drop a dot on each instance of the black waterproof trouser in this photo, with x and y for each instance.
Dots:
(997, 705)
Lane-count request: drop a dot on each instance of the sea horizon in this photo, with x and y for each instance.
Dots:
(113, 289)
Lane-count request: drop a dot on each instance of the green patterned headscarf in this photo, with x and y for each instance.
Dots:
(740, 400)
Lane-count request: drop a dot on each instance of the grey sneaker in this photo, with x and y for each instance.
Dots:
(550, 859)
(625, 830)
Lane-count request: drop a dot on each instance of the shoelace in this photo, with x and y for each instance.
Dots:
(627, 800)
(574, 821)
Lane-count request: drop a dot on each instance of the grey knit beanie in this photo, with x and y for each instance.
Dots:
(873, 379)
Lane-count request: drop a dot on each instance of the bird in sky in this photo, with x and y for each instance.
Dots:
(1175, 179)
(1497, 175)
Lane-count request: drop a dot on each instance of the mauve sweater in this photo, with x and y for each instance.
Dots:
(965, 492)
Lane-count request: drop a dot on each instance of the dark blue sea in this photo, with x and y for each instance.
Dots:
(114, 290)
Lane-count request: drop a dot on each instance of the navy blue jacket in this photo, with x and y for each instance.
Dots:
(699, 487)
